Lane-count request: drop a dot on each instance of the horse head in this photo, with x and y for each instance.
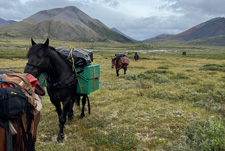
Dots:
(38, 58)
(113, 62)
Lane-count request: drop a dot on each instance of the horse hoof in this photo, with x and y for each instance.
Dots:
(60, 138)
(70, 118)
(82, 116)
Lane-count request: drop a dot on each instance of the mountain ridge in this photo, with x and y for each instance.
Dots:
(68, 23)
(204, 34)
(4, 22)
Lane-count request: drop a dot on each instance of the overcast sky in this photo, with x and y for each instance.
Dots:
(139, 19)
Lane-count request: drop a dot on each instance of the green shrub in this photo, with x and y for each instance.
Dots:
(180, 76)
(161, 79)
(118, 139)
(163, 67)
(157, 71)
(218, 95)
(213, 67)
(201, 136)
(204, 88)
(144, 85)
(130, 76)
(204, 136)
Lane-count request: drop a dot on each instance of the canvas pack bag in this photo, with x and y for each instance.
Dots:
(13, 103)
(20, 80)
(77, 57)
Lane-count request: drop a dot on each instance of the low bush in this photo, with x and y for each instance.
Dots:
(208, 135)
(202, 136)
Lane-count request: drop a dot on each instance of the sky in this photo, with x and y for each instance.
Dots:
(138, 19)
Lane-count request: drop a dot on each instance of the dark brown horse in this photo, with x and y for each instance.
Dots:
(120, 61)
(136, 56)
(20, 140)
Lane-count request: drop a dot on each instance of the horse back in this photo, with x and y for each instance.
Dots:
(125, 60)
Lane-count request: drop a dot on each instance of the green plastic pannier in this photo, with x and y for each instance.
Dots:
(88, 80)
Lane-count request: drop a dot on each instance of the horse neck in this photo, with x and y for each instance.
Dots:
(59, 69)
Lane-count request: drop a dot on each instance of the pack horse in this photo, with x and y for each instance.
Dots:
(61, 79)
(120, 61)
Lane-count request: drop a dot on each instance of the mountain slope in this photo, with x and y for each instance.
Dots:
(212, 28)
(211, 32)
(119, 32)
(68, 23)
(6, 22)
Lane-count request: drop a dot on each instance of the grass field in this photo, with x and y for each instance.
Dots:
(165, 102)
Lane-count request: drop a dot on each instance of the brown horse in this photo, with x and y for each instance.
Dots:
(120, 61)
(18, 128)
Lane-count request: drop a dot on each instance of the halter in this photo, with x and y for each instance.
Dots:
(40, 68)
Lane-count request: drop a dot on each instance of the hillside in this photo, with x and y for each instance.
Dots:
(6, 22)
(211, 32)
(212, 28)
(68, 23)
(158, 38)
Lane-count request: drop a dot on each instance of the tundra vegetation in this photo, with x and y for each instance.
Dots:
(166, 101)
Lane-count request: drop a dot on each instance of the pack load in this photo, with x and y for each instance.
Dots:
(88, 79)
(77, 57)
(120, 55)
(124, 58)
(19, 103)
(80, 60)
(22, 81)
(13, 103)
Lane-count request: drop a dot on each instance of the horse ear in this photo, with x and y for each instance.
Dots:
(32, 42)
(46, 42)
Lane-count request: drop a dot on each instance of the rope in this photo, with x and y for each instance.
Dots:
(74, 68)
(94, 76)
(85, 53)
(73, 64)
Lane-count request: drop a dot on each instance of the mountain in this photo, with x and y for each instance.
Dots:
(6, 22)
(212, 28)
(211, 32)
(158, 38)
(119, 32)
(68, 23)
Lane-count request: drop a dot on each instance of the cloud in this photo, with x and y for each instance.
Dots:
(139, 19)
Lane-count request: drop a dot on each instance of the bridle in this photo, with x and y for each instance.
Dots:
(39, 68)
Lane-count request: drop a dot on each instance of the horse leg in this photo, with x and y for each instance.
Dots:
(70, 113)
(117, 72)
(125, 69)
(82, 115)
(57, 106)
(78, 100)
(62, 120)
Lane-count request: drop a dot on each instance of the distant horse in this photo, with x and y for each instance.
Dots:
(19, 140)
(61, 80)
(120, 61)
(136, 56)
